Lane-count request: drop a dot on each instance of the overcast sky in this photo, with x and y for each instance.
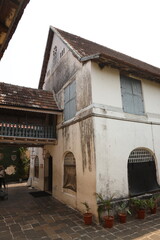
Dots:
(128, 26)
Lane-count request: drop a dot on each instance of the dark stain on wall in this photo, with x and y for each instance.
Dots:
(84, 94)
(87, 143)
(67, 67)
(66, 135)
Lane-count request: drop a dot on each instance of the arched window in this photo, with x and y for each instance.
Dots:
(141, 172)
(36, 167)
(70, 172)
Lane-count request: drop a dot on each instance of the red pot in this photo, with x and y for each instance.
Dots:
(153, 210)
(122, 217)
(108, 221)
(141, 214)
(87, 218)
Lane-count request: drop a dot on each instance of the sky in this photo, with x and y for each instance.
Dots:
(128, 26)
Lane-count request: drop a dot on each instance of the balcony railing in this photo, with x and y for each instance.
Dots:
(27, 131)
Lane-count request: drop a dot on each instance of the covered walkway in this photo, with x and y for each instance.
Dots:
(23, 216)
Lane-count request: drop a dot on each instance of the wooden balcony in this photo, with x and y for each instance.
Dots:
(28, 133)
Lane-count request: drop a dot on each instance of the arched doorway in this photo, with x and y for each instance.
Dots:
(142, 176)
(48, 173)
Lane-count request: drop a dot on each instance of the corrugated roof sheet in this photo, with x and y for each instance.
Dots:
(23, 97)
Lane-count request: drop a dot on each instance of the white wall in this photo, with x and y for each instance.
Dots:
(106, 86)
(118, 133)
(114, 142)
(151, 94)
(106, 91)
(36, 182)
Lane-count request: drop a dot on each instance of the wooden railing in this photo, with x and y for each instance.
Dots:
(26, 130)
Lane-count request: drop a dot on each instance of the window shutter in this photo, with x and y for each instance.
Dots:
(128, 103)
(137, 97)
(132, 98)
(66, 94)
(66, 111)
(72, 108)
(72, 90)
(127, 96)
(70, 101)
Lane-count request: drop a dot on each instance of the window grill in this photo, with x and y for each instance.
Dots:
(139, 156)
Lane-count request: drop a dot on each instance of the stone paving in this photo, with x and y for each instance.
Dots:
(23, 217)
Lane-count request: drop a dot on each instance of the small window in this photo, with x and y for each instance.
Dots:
(55, 51)
(70, 172)
(36, 167)
(70, 101)
(132, 98)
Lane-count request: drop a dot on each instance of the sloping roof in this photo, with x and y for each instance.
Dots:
(28, 99)
(10, 14)
(85, 50)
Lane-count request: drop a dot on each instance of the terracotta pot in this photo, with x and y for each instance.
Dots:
(87, 218)
(141, 214)
(122, 217)
(153, 210)
(108, 221)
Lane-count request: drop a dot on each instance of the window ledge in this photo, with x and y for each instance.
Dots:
(69, 192)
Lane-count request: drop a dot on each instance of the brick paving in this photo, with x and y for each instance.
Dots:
(23, 217)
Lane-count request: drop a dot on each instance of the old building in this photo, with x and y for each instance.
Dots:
(109, 133)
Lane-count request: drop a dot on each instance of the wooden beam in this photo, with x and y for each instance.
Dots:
(3, 28)
(16, 2)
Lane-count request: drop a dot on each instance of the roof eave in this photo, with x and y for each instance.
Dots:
(126, 67)
(30, 109)
(13, 26)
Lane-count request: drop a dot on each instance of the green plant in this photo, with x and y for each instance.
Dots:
(156, 196)
(104, 205)
(123, 208)
(86, 206)
(139, 203)
(23, 163)
(151, 202)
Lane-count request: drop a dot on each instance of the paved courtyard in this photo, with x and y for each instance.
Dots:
(23, 216)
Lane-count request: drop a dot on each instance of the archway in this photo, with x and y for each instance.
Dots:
(48, 173)
(142, 176)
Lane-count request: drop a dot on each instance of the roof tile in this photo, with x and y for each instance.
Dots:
(17, 96)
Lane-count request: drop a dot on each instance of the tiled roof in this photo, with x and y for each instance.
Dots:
(28, 98)
(85, 50)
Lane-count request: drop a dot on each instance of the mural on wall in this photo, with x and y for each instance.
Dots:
(15, 162)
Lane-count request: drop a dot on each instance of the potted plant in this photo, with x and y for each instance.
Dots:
(123, 210)
(87, 216)
(105, 205)
(140, 206)
(152, 204)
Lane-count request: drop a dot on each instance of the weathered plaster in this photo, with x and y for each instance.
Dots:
(87, 143)
(64, 71)
(84, 89)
